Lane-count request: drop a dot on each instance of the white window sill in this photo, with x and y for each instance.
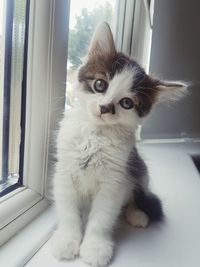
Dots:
(176, 243)
(20, 249)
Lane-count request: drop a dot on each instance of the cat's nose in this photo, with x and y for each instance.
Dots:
(107, 109)
(104, 109)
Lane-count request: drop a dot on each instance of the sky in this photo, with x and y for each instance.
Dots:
(77, 5)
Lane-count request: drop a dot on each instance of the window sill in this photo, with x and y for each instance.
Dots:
(28, 241)
(18, 210)
(176, 243)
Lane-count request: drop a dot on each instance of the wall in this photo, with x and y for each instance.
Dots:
(175, 55)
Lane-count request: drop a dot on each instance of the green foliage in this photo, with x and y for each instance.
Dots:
(80, 36)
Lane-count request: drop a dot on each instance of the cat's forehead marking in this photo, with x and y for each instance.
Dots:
(122, 82)
(124, 63)
(108, 66)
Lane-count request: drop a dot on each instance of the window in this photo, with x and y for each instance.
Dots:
(13, 57)
(37, 71)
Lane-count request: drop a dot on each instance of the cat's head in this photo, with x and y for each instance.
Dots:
(114, 88)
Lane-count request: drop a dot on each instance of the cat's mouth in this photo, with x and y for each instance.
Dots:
(99, 116)
(103, 119)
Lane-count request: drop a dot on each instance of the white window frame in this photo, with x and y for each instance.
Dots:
(46, 75)
(134, 29)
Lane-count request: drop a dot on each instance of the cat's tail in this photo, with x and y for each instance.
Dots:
(150, 204)
(145, 209)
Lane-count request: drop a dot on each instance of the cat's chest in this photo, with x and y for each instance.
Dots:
(89, 162)
(92, 152)
(95, 159)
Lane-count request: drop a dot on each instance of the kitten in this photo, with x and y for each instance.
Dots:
(99, 168)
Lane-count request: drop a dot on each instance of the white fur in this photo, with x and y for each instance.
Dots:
(172, 91)
(136, 218)
(97, 251)
(102, 187)
(120, 86)
(65, 246)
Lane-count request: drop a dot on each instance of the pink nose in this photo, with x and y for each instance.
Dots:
(107, 109)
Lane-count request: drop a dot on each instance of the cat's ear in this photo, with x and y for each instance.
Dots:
(102, 41)
(170, 91)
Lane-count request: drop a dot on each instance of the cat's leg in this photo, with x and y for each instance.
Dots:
(97, 245)
(66, 240)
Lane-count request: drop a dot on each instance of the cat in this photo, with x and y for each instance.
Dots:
(99, 171)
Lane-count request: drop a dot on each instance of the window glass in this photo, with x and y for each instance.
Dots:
(12, 47)
(1, 82)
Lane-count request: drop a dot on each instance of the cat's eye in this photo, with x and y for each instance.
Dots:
(126, 103)
(100, 86)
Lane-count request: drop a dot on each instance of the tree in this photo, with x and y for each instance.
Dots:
(80, 36)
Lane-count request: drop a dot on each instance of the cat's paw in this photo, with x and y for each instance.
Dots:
(137, 218)
(97, 252)
(65, 247)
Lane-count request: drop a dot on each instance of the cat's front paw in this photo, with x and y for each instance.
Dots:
(97, 252)
(65, 247)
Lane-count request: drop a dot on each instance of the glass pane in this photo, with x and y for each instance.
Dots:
(84, 16)
(1, 82)
(2, 59)
(12, 44)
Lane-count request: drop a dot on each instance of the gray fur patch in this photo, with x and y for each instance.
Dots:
(136, 167)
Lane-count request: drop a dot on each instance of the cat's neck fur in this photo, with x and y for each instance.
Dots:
(114, 131)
